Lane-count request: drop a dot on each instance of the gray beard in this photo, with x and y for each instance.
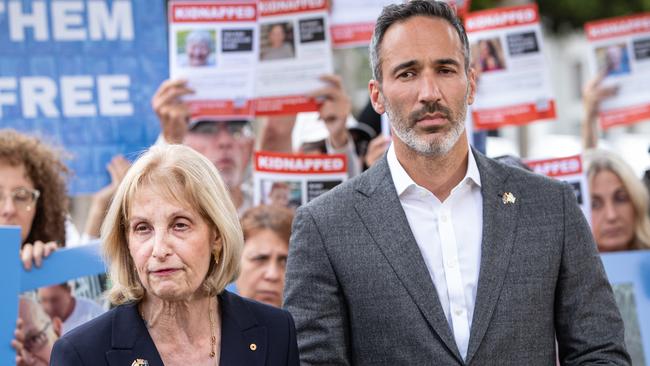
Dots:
(421, 146)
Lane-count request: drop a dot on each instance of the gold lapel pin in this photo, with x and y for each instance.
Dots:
(253, 347)
(508, 197)
(140, 362)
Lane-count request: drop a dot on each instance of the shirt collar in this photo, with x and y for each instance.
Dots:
(403, 181)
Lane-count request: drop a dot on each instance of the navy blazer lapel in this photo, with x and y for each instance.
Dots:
(243, 341)
(130, 339)
(499, 227)
(383, 216)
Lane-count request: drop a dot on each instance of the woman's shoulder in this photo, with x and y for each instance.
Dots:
(97, 333)
(263, 314)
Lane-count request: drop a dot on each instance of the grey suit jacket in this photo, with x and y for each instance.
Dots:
(360, 292)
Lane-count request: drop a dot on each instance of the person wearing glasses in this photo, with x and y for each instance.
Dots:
(38, 333)
(33, 197)
(227, 144)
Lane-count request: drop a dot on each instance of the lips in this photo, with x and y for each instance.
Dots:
(164, 271)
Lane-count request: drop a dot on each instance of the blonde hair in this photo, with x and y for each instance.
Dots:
(598, 160)
(184, 176)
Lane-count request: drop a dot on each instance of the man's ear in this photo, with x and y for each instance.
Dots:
(376, 97)
(57, 326)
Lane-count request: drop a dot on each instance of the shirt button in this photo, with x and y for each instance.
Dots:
(458, 311)
(451, 264)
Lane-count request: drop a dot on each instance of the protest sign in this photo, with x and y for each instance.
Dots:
(507, 52)
(620, 49)
(352, 22)
(295, 50)
(61, 266)
(213, 45)
(292, 180)
(567, 169)
(80, 74)
(629, 274)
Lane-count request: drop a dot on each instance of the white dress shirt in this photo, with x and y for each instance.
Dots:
(449, 235)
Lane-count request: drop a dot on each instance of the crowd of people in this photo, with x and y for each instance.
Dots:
(192, 260)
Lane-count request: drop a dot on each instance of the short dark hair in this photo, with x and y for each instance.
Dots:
(397, 13)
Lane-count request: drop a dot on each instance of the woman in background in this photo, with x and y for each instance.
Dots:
(264, 260)
(619, 203)
(33, 197)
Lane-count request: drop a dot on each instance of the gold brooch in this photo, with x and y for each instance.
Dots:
(140, 362)
(508, 198)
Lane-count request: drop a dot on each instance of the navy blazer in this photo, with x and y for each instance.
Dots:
(119, 337)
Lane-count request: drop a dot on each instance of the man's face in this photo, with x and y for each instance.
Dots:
(56, 301)
(197, 53)
(227, 145)
(425, 89)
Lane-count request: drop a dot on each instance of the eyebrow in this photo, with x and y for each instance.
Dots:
(174, 214)
(438, 62)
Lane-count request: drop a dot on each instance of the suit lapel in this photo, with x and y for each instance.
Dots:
(130, 339)
(243, 341)
(499, 228)
(383, 216)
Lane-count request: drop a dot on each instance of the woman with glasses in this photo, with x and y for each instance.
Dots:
(33, 197)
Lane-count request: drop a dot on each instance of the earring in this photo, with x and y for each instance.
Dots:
(216, 258)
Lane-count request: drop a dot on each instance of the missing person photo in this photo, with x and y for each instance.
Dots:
(488, 55)
(613, 59)
(276, 41)
(195, 48)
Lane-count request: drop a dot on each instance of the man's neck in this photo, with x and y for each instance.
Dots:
(438, 174)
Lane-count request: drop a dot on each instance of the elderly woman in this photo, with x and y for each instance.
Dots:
(619, 203)
(266, 246)
(173, 241)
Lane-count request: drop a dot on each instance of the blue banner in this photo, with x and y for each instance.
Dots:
(61, 266)
(629, 274)
(80, 74)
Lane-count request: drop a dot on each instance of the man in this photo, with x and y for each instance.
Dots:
(58, 302)
(436, 254)
(229, 144)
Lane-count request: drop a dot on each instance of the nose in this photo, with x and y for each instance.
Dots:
(611, 214)
(273, 271)
(429, 89)
(161, 249)
(7, 207)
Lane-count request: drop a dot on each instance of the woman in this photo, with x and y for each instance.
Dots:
(619, 203)
(266, 246)
(173, 241)
(32, 197)
(32, 194)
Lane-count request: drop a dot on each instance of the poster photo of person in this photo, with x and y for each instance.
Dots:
(276, 41)
(613, 59)
(282, 193)
(488, 55)
(196, 48)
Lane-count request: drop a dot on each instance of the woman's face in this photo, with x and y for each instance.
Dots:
(263, 266)
(612, 213)
(14, 179)
(170, 244)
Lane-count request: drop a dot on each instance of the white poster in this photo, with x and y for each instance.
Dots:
(507, 51)
(291, 180)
